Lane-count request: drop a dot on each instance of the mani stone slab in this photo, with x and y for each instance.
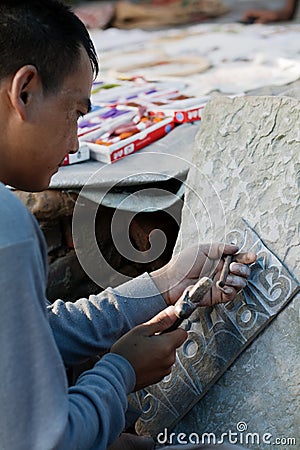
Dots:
(244, 188)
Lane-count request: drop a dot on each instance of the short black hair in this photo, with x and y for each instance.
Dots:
(46, 34)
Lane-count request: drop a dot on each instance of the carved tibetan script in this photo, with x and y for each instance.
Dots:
(216, 336)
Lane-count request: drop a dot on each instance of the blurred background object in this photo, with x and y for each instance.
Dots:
(156, 14)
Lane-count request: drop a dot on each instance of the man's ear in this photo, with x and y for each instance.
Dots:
(25, 86)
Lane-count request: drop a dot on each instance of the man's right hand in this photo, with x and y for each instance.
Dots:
(151, 354)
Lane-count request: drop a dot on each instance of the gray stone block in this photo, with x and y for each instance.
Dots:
(243, 187)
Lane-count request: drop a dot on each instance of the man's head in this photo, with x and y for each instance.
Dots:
(44, 33)
(47, 65)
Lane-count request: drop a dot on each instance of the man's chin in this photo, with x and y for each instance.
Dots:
(32, 185)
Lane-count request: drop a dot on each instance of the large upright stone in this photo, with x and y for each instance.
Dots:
(243, 187)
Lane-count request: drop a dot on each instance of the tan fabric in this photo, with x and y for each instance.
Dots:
(174, 12)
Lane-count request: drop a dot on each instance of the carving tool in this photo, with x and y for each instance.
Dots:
(224, 273)
(191, 298)
(189, 301)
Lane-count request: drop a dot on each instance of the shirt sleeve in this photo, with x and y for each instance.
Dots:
(89, 326)
(39, 412)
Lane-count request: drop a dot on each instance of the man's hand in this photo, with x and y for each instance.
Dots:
(194, 262)
(151, 354)
(266, 16)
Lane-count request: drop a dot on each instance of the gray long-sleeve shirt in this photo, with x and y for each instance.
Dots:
(37, 339)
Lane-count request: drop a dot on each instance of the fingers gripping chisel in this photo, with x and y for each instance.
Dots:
(189, 301)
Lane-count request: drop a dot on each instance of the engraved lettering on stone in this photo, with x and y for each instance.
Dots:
(216, 336)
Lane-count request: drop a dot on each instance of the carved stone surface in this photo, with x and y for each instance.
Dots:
(216, 336)
(246, 166)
